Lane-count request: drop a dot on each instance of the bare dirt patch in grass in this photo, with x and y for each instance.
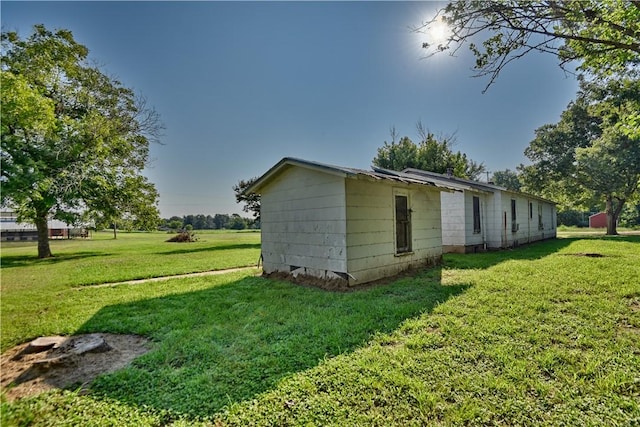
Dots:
(67, 364)
(588, 254)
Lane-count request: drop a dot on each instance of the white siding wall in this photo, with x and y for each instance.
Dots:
(303, 220)
(457, 221)
(453, 218)
(371, 233)
(528, 230)
(472, 238)
(495, 221)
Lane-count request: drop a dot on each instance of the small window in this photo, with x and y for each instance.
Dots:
(530, 210)
(540, 224)
(403, 224)
(514, 224)
(476, 214)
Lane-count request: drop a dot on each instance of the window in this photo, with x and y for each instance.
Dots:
(540, 224)
(530, 210)
(403, 224)
(514, 224)
(476, 214)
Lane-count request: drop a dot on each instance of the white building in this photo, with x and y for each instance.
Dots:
(480, 216)
(346, 226)
(12, 230)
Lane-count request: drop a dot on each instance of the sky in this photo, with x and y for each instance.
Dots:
(240, 85)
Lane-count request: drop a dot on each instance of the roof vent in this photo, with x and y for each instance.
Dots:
(449, 172)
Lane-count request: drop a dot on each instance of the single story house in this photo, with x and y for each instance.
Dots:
(598, 220)
(480, 216)
(343, 226)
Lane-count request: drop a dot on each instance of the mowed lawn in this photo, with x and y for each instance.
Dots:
(544, 334)
(41, 297)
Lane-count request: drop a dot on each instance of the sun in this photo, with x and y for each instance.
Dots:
(438, 32)
(432, 35)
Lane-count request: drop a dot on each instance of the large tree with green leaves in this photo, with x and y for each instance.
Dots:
(74, 140)
(587, 157)
(114, 207)
(602, 37)
(508, 179)
(431, 154)
(251, 200)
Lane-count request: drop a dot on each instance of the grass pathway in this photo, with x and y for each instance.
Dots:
(171, 277)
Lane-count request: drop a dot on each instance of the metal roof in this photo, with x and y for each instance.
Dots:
(467, 184)
(380, 174)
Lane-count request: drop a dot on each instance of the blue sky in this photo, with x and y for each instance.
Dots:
(239, 85)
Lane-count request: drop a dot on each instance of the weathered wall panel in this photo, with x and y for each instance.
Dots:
(370, 229)
(303, 220)
(453, 218)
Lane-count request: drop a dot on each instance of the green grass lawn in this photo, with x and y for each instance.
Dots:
(29, 285)
(539, 335)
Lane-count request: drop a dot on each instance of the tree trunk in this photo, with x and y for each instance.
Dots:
(115, 232)
(612, 216)
(44, 251)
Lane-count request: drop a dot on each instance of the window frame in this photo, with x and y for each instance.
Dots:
(514, 216)
(540, 223)
(477, 219)
(402, 223)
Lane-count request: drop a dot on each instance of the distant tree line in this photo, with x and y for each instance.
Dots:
(208, 222)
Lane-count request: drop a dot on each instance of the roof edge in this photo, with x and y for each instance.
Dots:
(292, 161)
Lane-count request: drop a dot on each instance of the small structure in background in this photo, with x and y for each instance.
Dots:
(335, 227)
(480, 216)
(12, 230)
(598, 220)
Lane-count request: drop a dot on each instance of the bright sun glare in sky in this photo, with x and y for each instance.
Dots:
(438, 32)
(434, 33)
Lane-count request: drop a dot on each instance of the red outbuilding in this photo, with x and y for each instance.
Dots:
(598, 220)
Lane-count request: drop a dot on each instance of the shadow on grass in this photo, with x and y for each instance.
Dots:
(186, 249)
(11, 261)
(230, 342)
(481, 260)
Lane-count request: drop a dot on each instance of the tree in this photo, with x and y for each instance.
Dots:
(251, 200)
(610, 167)
(221, 221)
(237, 222)
(132, 203)
(200, 222)
(429, 154)
(602, 35)
(507, 179)
(587, 158)
(73, 139)
(174, 223)
(630, 216)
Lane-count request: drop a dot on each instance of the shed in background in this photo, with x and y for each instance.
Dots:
(598, 220)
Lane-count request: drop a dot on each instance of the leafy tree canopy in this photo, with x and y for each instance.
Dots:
(251, 200)
(429, 154)
(603, 36)
(587, 158)
(74, 140)
(508, 179)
